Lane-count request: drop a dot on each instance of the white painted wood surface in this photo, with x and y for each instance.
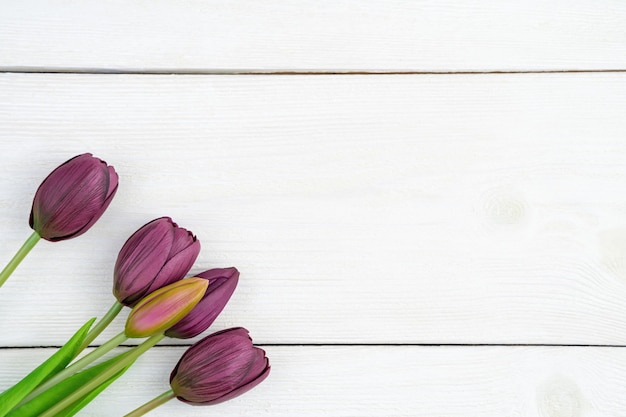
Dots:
(373, 217)
(312, 35)
(347, 381)
(466, 209)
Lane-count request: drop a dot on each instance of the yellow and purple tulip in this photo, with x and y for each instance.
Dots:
(156, 255)
(218, 368)
(72, 198)
(222, 284)
(164, 307)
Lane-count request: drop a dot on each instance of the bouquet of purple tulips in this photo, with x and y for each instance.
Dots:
(149, 277)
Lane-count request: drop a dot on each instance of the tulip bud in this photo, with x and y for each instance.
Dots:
(164, 307)
(219, 367)
(222, 284)
(72, 198)
(157, 254)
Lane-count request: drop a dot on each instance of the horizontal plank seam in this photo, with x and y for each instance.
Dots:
(281, 72)
(573, 345)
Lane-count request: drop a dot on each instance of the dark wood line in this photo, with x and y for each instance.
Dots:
(97, 71)
(574, 345)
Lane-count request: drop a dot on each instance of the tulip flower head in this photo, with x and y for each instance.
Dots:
(72, 198)
(218, 368)
(164, 307)
(222, 284)
(156, 255)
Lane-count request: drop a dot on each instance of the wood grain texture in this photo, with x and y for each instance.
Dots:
(393, 209)
(384, 381)
(312, 35)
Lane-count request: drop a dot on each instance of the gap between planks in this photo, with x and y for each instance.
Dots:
(359, 345)
(98, 71)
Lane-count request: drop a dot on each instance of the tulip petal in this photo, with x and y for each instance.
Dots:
(70, 198)
(164, 307)
(157, 254)
(219, 367)
(176, 267)
(113, 182)
(222, 284)
(182, 239)
(140, 259)
(246, 387)
(112, 189)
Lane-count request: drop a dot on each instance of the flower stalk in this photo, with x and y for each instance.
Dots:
(19, 256)
(152, 404)
(78, 365)
(103, 377)
(102, 324)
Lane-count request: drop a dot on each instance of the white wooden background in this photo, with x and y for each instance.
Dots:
(426, 199)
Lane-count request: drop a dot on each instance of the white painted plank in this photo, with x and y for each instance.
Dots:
(312, 35)
(383, 381)
(442, 209)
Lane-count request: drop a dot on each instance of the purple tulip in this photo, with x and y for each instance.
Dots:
(219, 367)
(72, 198)
(157, 254)
(222, 284)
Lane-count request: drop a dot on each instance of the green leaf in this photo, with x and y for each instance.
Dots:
(76, 407)
(47, 399)
(11, 397)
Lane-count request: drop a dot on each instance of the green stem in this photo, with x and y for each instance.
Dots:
(78, 365)
(152, 404)
(21, 253)
(103, 377)
(101, 325)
